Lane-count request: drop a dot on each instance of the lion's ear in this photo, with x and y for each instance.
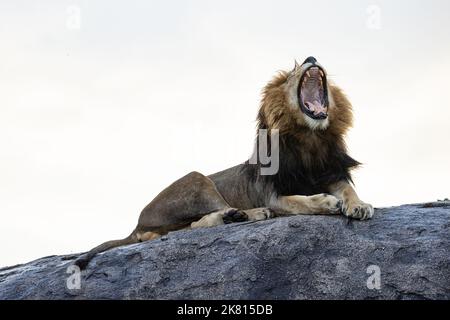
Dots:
(296, 65)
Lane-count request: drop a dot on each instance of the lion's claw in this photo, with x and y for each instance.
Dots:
(359, 210)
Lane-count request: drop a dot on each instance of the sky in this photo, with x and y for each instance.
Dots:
(105, 103)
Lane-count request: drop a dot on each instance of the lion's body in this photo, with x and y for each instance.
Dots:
(313, 175)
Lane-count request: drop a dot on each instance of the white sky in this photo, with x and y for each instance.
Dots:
(95, 121)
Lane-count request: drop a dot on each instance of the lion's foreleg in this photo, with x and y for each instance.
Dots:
(352, 206)
(315, 204)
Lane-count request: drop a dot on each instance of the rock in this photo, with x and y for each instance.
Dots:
(296, 257)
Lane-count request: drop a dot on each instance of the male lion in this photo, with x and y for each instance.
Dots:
(311, 116)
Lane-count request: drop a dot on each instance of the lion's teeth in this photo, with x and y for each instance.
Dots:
(321, 73)
(308, 74)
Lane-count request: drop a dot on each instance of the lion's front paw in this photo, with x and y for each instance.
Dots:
(358, 210)
(326, 203)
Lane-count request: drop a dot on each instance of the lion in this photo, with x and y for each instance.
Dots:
(311, 116)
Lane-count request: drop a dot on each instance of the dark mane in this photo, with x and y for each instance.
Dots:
(297, 175)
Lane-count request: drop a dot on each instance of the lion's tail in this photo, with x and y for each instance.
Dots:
(84, 259)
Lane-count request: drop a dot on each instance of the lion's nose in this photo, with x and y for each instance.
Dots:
(310, 60)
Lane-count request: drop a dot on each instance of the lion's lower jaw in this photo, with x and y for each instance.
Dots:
(314, 124)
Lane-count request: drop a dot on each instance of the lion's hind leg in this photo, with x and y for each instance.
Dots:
(257, 214)
(217, 218)
(149, 235)
(230, 215)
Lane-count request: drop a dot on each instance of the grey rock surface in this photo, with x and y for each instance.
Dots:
(296, 257)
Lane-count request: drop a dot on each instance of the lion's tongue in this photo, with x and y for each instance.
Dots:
(316, 107)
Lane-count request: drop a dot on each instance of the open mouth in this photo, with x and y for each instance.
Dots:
(312, 93)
